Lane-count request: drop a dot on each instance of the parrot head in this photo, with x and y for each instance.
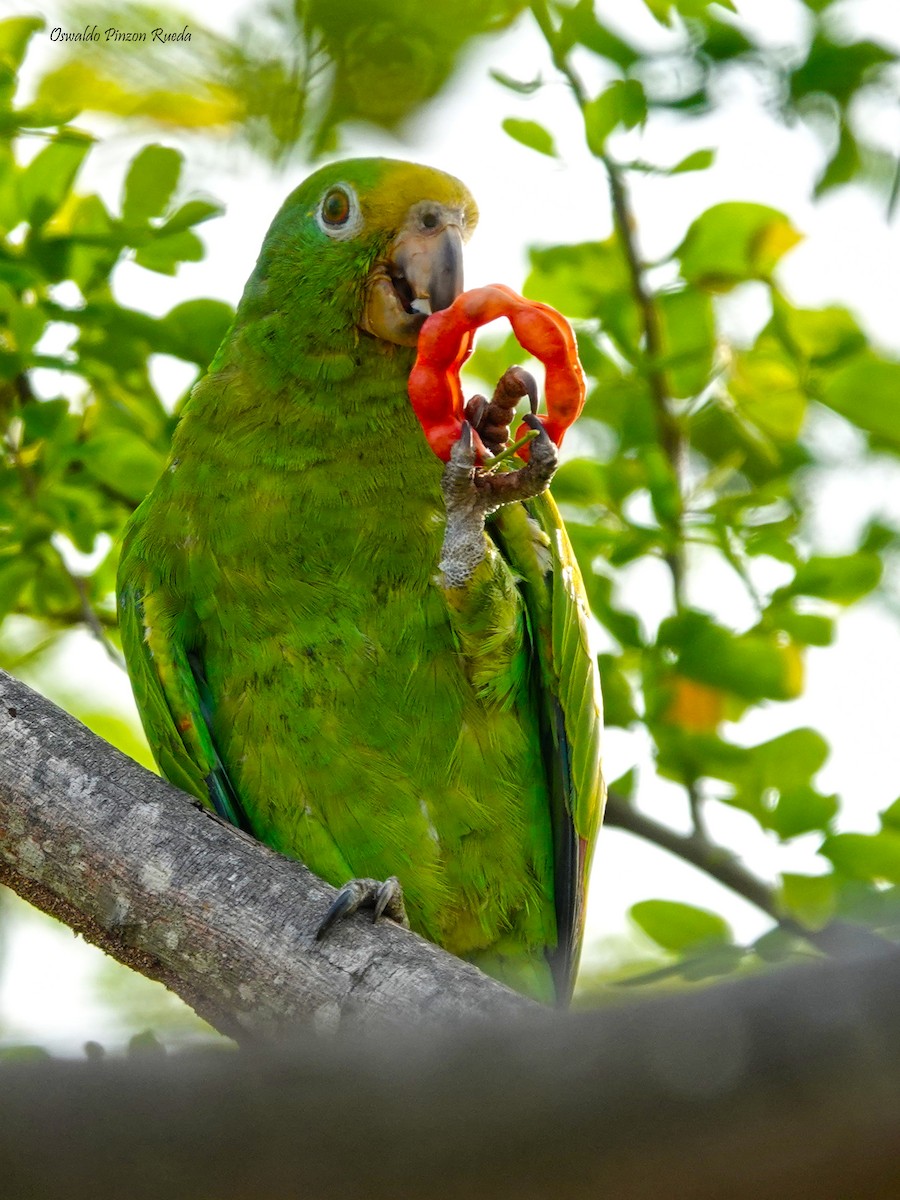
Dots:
(369, 245)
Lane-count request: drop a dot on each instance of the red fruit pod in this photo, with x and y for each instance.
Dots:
(445, 342)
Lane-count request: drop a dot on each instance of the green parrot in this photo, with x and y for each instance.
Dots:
(374, 662)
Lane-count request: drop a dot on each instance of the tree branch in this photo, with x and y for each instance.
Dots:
(156, 881)
(784, 1085)
(839, 938)
(713, 860)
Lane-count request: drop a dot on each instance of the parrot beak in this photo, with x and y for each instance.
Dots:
(421, 274)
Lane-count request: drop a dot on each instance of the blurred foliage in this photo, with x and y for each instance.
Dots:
(297, 72)
(85, 433)
(692, 447)
(290, 78)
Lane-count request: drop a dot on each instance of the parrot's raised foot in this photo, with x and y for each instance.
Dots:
(384, 896)
(471, 493)
(492, 421)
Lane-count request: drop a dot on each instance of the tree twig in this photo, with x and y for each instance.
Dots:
(837, 938)
(713, 860)
(88, 614)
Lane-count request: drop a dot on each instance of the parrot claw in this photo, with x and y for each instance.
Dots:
(471, 494)
(476, 407)
(385, 897)
(492, 421)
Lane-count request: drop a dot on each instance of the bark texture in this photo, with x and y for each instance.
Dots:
(138, 868)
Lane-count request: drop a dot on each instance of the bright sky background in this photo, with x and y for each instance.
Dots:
(850, 255)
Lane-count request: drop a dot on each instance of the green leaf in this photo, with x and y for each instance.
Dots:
(662, 484)
(123, 462)
(874, 856)
(579, 26)
(48, 178)
(843, 165)
(820, 336)
(26, 323)
(523, 88)
(15, 34)
(802, 810)
(777, 945)
(149, 184)
(788, 761)
(194, 212)
(678, 927)
(842, 578)
(618, 699)
(755, 666)
(733, 242)
(587, 279)
(812, 899)
(689, 336)
(781, 764)
(194, 330)
(42, 418)
(530, 134)
(663, 9)
(164, 254)
(806, 629)
(623, 103)
(865, 390)
(15, 573)
(700, 160)
(624, 626)
(94, 247)
(719, 959)
(765, 384)
(837, 70)
(624, 787)
(580, 481)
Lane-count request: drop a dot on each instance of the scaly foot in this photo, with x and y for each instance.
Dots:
(471, 494)
(384, 896)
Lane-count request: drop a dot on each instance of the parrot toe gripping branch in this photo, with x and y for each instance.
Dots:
(333, 649)
(470, 495)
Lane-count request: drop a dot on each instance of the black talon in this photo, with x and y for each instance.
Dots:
(384, 896)
(389, 899)
(529, 383)
(534, 422)
(343, 905)
(475, 410)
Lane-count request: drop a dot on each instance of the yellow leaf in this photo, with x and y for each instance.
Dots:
(694, 706)
(771, 243)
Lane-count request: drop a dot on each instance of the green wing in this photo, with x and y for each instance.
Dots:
(171, 692)
(534, 541)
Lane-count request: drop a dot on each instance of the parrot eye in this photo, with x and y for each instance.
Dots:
(338, 213)
(336, 207)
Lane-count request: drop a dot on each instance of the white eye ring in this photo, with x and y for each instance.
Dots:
(353, 222)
